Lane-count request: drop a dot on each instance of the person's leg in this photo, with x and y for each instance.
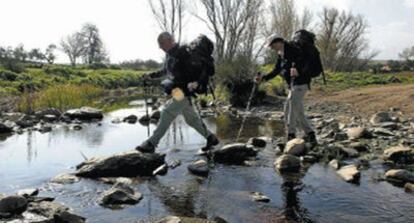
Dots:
(194, 120)
(170, 111)
(289, 116)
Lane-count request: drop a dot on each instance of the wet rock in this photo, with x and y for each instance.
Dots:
(335, 164)
(48, 111)
(116, 121)
(116, 180)
(175, 219)
(77, 127)
(174, 164)
(26, 121)
(380, 117)
(358, 146)
(6, 127)
(309, 158)
(131, 119)
(162, 170)
(199, 168)
(349, 173)
(295, 147)
(399, 176)
(65, 178)
(259, 197)
(45, 128)
(409, 187)
(28, 192)
(155, 115)
(382, 132)
(144, 120)
(257, 142)
(120, 194)
(399, 154)
(126, 164)
(12, 205)
(349, 152)
(357, 133)
(235, 153)
(84, 113)
(46, 208)
(67, 217)
(287, 163)
(389, 125)
(341, 136)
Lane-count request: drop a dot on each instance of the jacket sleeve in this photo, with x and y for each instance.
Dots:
(276, 70)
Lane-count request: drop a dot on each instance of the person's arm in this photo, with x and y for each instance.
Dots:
(276, 70)
(158, 73)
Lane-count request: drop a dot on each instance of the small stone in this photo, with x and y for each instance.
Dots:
(398, 154)
(257, 142)
(360, 147)
(349, 152)
(65, 178)
(409, 187)
(28, 192)
(77, 127)
(287, 163)
(334, 164)
(174, 164)
(199, 168)
(235, 153)
(131, 119)
(67, 217)
(116, 180)
(116, 121)
(349, 173)
(120, 194)
(356, 133)
(380, 117)
(259, 197)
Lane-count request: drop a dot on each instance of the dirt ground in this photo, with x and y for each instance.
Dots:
(369, 100)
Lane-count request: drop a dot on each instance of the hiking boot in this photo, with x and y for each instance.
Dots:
(311, 138)
(146, 147)
(211, 141)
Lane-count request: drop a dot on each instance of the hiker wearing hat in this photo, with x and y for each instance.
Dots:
(182, 82)
(291, 65)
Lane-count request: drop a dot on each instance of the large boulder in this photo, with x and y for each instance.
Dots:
(399, 176)
(47, 209)
(399, 154)
(380, 117)
(295, 147)
(12, 205)
(349, 173)
(48, 113)
(235, 153)
(287, 163)
(67, 217)
(84, 113)
(126, 164)
(120, 194)
(65, 178)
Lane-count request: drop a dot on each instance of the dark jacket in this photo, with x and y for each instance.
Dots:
(292, 54)
(177, 67)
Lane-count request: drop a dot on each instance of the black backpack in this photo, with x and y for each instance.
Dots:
(305, 40)
(202, 61)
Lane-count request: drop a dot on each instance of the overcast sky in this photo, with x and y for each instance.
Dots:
(129, 31)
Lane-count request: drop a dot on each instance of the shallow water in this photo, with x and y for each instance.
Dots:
(317, 194)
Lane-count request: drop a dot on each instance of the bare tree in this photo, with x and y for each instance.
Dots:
(285, 19)
(94, 48)
(342, 40)
(169, 15)
(229, 20)
(73, 46)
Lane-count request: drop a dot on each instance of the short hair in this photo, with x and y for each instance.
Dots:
(165, 36)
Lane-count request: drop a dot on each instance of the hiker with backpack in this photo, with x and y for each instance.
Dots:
(296, 64)
(187, 69)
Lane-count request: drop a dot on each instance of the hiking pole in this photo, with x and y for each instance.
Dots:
(289, 114)
(146, 106)
(248, 107)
